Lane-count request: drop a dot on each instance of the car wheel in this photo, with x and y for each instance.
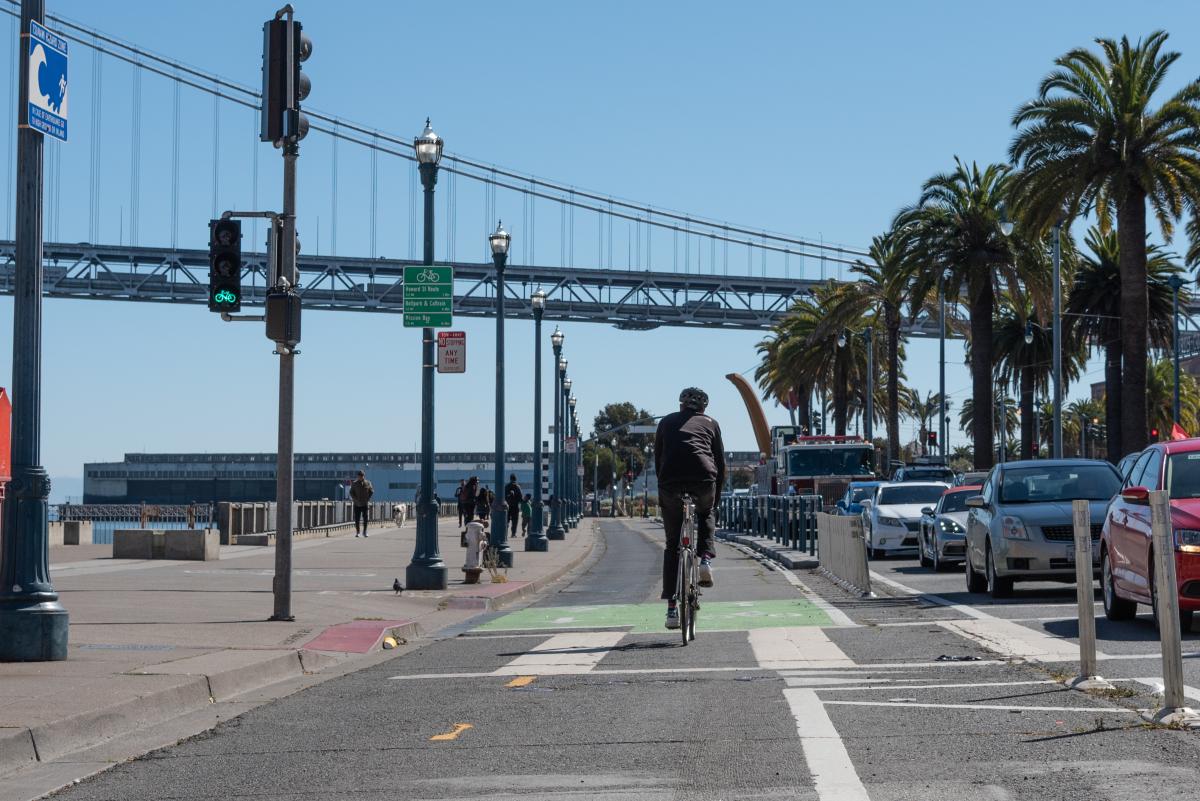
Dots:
(925, 560)
(975, 582)
(936, 561)
(877, 553)
(997, 587)
(1115, 607)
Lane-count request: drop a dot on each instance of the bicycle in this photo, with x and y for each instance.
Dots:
(687, 582)
(427, 276)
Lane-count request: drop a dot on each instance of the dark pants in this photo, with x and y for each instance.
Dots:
(361, 511)
(469, 513)
(514, 518)
(670, 497)
(462, 512)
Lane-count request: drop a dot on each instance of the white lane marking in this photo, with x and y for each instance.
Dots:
(575, 652)
(1006, 637)
(1155, 683)
(795, 646)
(836, 616)
(994, 707)
(907, 665)
(825, 682)
(934, 686)
(995, 633)
(828, 761)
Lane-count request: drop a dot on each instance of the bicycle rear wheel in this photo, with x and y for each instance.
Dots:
(682, 593)
(693, 596)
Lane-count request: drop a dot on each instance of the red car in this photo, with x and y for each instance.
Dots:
(1126, 563)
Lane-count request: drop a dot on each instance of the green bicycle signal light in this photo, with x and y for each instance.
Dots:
(225, 265)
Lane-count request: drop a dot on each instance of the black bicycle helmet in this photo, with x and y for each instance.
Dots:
(694, 398)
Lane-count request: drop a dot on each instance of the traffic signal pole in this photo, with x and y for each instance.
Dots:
(284, 483)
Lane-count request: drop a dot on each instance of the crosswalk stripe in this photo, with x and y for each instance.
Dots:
(796, 647)
(573, 652)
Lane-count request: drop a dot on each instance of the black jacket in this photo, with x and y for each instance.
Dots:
(688, 448)
(513, 494)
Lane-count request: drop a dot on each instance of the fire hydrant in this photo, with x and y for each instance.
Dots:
(477, 543)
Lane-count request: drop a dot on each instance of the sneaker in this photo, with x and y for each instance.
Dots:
(364, 535)
(706, 579)
(672, 617)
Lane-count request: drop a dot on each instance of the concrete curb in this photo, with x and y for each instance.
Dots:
(791, 558)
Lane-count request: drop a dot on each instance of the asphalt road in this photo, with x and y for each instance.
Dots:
(792, 690)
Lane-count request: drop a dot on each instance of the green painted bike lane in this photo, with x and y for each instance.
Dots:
(648, 618)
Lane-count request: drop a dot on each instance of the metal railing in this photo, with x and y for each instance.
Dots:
(107, 518)
(790, 520)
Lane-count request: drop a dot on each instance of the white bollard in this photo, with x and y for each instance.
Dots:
(1087, 679)
(1162, 537)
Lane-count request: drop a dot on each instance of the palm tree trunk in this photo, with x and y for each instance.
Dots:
(804, 406)
(840, 392)
(1027, 429)
(1135, 310)
(1112, 400)
(982, 391)
(893, 385)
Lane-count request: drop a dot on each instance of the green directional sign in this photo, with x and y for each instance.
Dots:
(428, 297)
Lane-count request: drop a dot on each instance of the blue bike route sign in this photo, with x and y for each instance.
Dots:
(47, 110)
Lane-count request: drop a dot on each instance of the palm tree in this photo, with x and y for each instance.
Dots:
(999, 399)
(926, 412)
(778, 378)
(1092, 140)
(1028, 365)
(1093, 310)
(1160, 398)
(1085, 416)
(954, 229)
(881, 293)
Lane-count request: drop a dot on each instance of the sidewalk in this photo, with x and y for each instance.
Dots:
(154, 640)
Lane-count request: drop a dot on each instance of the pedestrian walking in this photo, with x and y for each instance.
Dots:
(526, 513)
(360, 494)
(483, 504)
(458, 499)
(512, 499)
(470, 495)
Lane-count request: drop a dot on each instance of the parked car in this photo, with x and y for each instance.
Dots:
(1126, 463)
(851, 501)
(972, 478)
(924, 472)
(893, 516)
(941, 540)
(1126, 555)
(1020, 527)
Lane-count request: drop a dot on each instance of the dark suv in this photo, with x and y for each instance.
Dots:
(924, 472)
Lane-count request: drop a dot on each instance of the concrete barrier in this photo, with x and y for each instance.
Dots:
(843, 552)
(201, 544)
(71, 532)
(138, 543)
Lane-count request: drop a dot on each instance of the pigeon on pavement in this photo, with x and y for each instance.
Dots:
(396, 586)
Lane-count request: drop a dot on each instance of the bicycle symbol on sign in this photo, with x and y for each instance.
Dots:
(427, 275)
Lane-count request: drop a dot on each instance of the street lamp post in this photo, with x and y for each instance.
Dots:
(576, 476)
(869, 423)
(944, 431)
(499, 241)
(1176, 283)
(427, 571)
(612, 489)
(564, 498)
(646, 482)
(33, 624)
(536, 540)
(574, 429)
(595, 475)
(560, 368)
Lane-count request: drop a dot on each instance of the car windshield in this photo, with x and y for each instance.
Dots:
(1092, 482)
(858, 493)
(957, 501)
(901, 495)
(1183, 475)
(928, 474)
(810, 460)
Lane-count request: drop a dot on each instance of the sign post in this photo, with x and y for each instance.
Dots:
(428, 297)
(452, 351)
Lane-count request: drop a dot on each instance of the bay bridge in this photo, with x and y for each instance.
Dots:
(679, 269)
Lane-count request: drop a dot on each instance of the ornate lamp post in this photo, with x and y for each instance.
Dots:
(499, 241)
(565, 470)
(536, 540)
(572, 481)
(646, 482)
(426, 571)
(556, 531)
(612, 490)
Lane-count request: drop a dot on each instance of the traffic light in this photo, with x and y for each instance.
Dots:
(283, 317)
(224, 265)
(284, 85)
(931, 438)
(1154, 435)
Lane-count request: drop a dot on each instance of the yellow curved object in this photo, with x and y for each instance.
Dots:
(758, 419)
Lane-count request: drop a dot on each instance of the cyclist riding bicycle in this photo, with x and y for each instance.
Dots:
(689, 459)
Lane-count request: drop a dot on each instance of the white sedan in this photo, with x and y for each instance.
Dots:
(894, 515)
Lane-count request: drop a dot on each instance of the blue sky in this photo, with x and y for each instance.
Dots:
(818, 120)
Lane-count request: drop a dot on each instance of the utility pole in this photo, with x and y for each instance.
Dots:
(33, 624)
